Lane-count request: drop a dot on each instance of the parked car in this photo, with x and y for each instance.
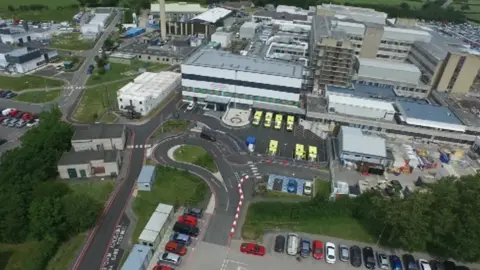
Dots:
(27, 116)
(162, 267)
(343, 253)
(462, 267)
(409, 262)
(292, 244)
(10, 95)
(13, 112)
(382, 261)
(20, 124)
(424, 265)
(437, 265)
(181, 238)
(395, 263)
(187, 219)
(19, 115)
(292, 186)
(317, 250)
(252, 248)
(195, 212)
(190, 106)
(33, 122)
(305, 248)
(3, 93)
(176, 248)
(307, 188)
(330, 252)
(368, 258)
(279, 244)
(186, 229)
(12, 122)
(6, 121)
(170, 258)
(7, 111)
(355, 256)
(449, 265)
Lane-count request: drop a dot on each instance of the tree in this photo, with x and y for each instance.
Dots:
(81, 212)
(405, 5)
(47, 218)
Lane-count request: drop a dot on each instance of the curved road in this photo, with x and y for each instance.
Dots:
(225, 192)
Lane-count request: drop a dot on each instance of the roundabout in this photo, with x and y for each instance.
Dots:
(223, 185)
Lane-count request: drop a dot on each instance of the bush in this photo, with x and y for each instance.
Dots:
(39, 257)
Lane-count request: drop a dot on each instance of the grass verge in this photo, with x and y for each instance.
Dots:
(71, 41)
(170, 126)
(195, 155)
(28, 82)
(11, 256)
(109, 117)
(120, 71)
(39, 96)
(97, 100)
(172, 187)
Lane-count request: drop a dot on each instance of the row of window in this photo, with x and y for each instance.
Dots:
(238, 95)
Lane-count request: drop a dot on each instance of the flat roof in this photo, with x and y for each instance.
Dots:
(146, 174)
(224, 60)
(180, 7)
(84, 157)
(284, 16)
(136, 258)
(321, 26)
(439, 45)
(388, 64)
(154, 226)
(213, 15)
(362, 102)
(428, 112)
(98, 132)
(371, 91)
(354, 141)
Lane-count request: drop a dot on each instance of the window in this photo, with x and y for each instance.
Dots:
(158, 58)
(140, 102)
(140, 57)
(120, 99)
(149, 58)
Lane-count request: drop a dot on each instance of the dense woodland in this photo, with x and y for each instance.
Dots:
(34, 206)
(442, 219)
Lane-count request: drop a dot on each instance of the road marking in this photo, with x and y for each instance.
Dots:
(252, 165)
(259, 177)
(250, 162)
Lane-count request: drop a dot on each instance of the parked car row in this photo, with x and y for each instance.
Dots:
(303, 248)
(7, 94)
(185, 229)
(15, 118)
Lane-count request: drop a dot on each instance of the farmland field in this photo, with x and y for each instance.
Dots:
(52, 13)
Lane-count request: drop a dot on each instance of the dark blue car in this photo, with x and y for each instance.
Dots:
(305, 248)
(395, 263)
(292, 186)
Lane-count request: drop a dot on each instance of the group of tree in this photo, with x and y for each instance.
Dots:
(34, 206)
(440, 218)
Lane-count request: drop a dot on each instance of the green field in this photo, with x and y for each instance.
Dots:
(28, 82)
(122, 71)
(39, 96)
(171, 126)
(195, 155)
(97, 100)
(71, 41)
(171, 187)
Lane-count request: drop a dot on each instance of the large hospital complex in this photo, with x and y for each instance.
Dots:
(339, 65)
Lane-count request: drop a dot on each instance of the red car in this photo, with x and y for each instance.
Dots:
(13, 113)
(189, 220)
(27, 117)
(317, 249)
(251, 248)
(176, 248)
(162, 267)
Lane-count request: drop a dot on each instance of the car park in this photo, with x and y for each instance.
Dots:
(176, 248)
(330, 252)
(253, 249)
(317, 250)
(187, 219)
(355, 256)
(343, 253)
(368, 258)
(382, 260)
(181, 238)
(194, 212)
(305, 248)
(186, 229)
(170, 258)
(409, 262)
(279, 244)
(395, 262)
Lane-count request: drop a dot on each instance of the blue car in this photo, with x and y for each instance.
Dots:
(181, 238)
(292, 186)
(305, 248)
(395, 263)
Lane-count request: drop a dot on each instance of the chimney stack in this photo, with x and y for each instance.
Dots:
(163, 19)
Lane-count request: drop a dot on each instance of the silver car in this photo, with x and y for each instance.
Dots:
(170, 258)
(21, 124)
(12, 122)
(344, 253)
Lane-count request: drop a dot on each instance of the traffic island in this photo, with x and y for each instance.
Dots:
(195, 155)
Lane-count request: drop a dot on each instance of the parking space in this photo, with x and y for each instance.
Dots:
(169, 231)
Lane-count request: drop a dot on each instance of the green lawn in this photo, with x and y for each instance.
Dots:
(97, 100)
(39, 96)
(121, 71)
(27, 82)
(12, 256)
(99, 190)
(59, 15)
(195, 155)
(109, 117)
(170, 126)
(71, 41)
(340, 227)
(172, 187)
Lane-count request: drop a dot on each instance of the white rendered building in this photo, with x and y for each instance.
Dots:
(147, 91)
(215, 77)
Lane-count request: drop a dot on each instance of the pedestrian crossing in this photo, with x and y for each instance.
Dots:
(139, 146)
(254, 170)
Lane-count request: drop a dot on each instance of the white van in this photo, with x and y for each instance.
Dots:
(292, 244)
